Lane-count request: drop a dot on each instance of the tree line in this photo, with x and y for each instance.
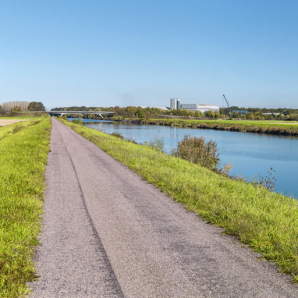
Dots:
(120, 113)
(22, 106)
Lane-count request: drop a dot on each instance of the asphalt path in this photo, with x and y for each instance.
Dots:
(108, 233)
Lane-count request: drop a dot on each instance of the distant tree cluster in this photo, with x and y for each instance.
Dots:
(120, 113)
(15, 106)
(36, 106)
(261, 113)
(22, 106)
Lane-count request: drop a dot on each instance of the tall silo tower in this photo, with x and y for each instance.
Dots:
(174, 103)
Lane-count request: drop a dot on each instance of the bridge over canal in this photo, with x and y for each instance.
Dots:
(61, 113)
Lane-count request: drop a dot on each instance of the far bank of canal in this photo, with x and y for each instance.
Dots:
(250, 154)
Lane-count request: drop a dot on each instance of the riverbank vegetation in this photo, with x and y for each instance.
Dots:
(267, 127)
(269, 121)
(266, 221)
(23, 155)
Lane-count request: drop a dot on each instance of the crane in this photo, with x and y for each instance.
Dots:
(228, 104)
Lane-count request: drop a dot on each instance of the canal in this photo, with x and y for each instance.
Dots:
(251, 155)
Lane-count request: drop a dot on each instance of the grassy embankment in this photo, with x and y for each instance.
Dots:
(23, 155)
(7, 130)
(267, 221)
(22, 115)
(269, 126)
(25, 117)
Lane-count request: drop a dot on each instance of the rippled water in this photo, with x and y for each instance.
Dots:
(250, 154)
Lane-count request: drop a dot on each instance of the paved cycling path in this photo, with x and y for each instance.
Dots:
(108, 233)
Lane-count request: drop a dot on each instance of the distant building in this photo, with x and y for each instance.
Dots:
(174, 104)
(199, 107)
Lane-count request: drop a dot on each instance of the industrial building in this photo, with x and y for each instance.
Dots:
(175, 105)
(199, 107)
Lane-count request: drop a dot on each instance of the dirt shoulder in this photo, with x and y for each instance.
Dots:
(4, 122)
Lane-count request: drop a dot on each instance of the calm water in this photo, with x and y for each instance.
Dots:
(250, 154)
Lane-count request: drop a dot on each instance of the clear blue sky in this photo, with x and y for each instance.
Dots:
(143, 52)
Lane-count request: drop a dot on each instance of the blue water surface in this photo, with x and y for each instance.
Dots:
(250, 154)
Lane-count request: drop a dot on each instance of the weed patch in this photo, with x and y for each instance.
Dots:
(157, 144)
(117, 135)
(17, 128)
(197, 151)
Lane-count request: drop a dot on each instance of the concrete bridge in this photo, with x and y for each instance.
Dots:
(61, 113)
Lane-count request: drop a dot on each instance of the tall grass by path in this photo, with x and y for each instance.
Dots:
(254, 126)
(267, 221)
(23, 157)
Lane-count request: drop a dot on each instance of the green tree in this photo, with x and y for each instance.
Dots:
(236, 115)
(216, 115)
(36, 106)
(140, 113)
(16, 109)
(198, 114)
(209, 114)
(131, 111)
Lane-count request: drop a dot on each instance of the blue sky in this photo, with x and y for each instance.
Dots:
(112, 52)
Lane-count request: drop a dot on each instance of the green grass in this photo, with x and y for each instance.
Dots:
(268, 127)
(23, 156)
(267, 221)
(16, 118)
(23, 114)
(7, 130)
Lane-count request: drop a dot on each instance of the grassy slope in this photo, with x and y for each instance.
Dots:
(275, 123)
(283, 127)
(6, 130)
(267, 221)
(23, 156)
(16, 118)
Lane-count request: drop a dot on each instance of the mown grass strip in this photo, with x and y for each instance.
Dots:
(267, 221)
(267, 127)
(23, 156)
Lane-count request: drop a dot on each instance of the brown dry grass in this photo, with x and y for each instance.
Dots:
(4, 122)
